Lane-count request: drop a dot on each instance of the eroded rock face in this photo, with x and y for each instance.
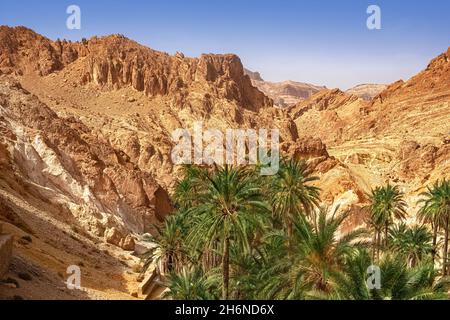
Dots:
(157, 73)
(313, 150)
(118, 62)
(77, 168)
(308, 147)
(323, 100)
(113, 236)
(418, 160)
(128, 243)
(22, 51)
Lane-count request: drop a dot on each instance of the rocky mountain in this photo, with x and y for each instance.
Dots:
(400, 136)
(63, 161)
(366, 91)
(284, 93)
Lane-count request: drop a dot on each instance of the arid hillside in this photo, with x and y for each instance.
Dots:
(400, 136)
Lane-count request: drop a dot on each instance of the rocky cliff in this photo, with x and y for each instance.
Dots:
(67, 163)
(118, 62)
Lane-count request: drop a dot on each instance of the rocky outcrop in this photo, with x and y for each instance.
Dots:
(429, 86)
(118, 62)
(69, 164)
(128, 243)
(254, 76)
(419, 160)
(6, 246)
(327, 114)
(157, 73)
(24, 51)
(307, 147)
(313, 150)
(115, 237)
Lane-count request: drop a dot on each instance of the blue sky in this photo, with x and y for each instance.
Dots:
(319, 41)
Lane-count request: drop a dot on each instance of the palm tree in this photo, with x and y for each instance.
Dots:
(231, 210)
(351, 282)
(386, 204)
(414, 243)
(318, 252)
(189, 186)
(191, 284)
(436, 210)
(169, 252)
(398, 282)
(292, 193)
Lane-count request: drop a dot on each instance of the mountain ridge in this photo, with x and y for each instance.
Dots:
(284, 93)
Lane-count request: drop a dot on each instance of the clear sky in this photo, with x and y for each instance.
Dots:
(318, 41)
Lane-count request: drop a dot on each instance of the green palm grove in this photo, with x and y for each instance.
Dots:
(239, 235)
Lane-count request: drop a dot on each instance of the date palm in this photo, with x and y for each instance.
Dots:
(414, 243)
(230, 210)
(351, 282)
(169, 252)
(186, 189)
(317, 253)
(292, 193)
(397, 280)
(436, 211)
(386, 204)
(192, 284)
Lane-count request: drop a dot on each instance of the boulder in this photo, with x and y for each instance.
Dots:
(113, 236)
(128, 243)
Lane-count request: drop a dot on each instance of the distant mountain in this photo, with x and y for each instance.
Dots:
(254, 76)
(419, 105)
(284, 93)
(367, 91)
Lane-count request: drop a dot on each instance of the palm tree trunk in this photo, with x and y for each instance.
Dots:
(289, 229)
(226, 269)
(445, 250)
(374, 245)
(435, 229)
(386, 232)
(378, 245)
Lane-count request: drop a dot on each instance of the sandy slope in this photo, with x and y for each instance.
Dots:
(106, 271)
